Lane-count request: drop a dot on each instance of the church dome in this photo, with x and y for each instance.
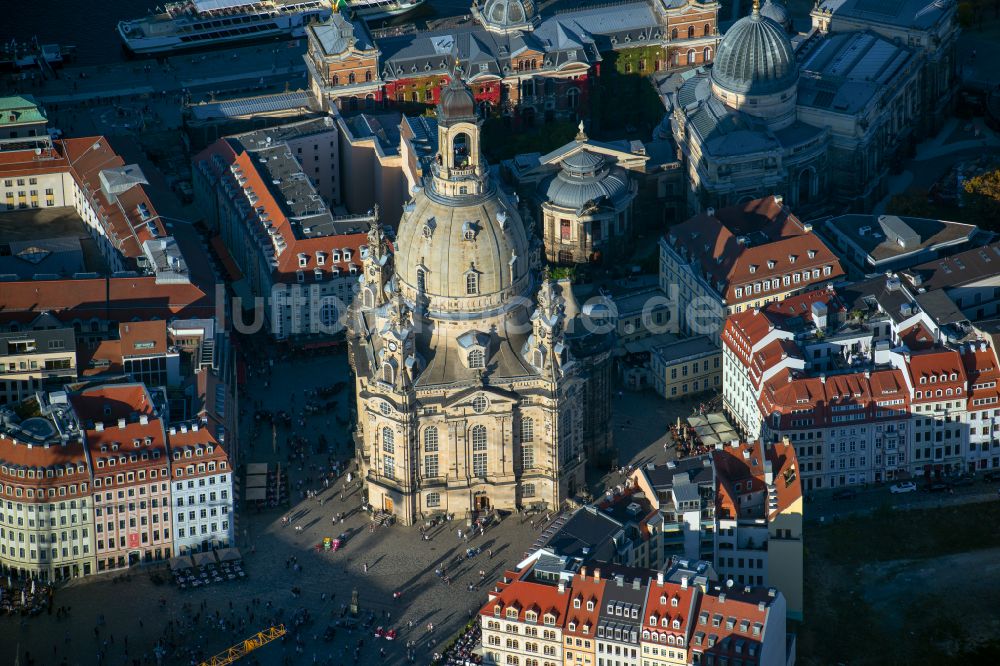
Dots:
(457, 101)
(777, 12)
(507, 15)
(755, 58)
(442, 241)
(583, 177)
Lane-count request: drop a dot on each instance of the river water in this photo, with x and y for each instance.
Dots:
(90, 25)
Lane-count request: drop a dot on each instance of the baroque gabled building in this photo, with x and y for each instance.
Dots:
(821, 123)
(469, 397)
(518, 62)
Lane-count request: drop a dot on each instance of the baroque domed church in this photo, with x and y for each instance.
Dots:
(469, 395)
(821, 124)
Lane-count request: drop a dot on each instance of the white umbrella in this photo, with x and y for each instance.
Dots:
(32, 585)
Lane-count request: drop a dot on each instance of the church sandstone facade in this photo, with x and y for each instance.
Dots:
(469, 398)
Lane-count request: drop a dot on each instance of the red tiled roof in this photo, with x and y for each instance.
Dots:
(584, 589)
(945, 367)
(672, 602)
(65, 456)
(111, 402)
(917, 337)
(981, 368)
(136, 335)
(524, 596)
(310, 249)
(114, 299)
(780, 245)
(106, 358)
(738, 609)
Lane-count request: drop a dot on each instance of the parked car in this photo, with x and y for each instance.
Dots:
(845, 494)
(961, 481)
(904, 487)
(937, 487)
(991, 476)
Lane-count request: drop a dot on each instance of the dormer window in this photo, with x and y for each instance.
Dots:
(335, 256)
(753, 268)
(347, 255)
(321, 258)
(477, 359)
(590, 605)
(771, 264)
(812, 254)
(303, 259)
(576, 603)
(673, 602)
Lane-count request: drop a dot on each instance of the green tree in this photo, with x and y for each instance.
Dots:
(982, 197)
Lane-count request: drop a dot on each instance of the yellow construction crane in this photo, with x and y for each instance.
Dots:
(246, 647)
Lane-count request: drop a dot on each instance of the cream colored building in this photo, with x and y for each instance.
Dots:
(46, 524)
(35, 360)
(469, 396)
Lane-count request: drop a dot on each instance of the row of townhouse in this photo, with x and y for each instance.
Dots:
(553, 611)
(734, 259)
(738, 507)
(94, 480)
(871, 382)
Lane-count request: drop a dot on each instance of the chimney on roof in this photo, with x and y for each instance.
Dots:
(194, 427)
(583, 572)
(822, 379)
(761, 606)
(172, 430)
(779, 199)
(684, 582)
(597, 575)
(636, 584)
(99, 426)
(144, 419)
(868, 374)
(771, 592)
(562, 586)
(620, 580)
(710, 211)
(121, 424)
(722, 597)
(659, 578)
(785, 440)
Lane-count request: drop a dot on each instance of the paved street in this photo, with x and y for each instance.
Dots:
(823, 507)
(398, 561)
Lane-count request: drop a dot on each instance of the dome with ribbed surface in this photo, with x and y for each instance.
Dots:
(506, 15)
(586, 177)
(777, 12)
(755, 58)
(457, 102)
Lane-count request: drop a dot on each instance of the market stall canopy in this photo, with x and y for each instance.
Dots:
(229, 555)
(203, 559)
(180, 563)
(256, 481)
(257, 468)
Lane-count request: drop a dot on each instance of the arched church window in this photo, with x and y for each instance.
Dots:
(707, 54)
(387, 373)
(368, 75)
(691, 57)
(351, 79)
(336, 80)
(388, 440)
(691, 32)
(460, 150)
(673, 34)
(478, 438)
(421, 281)
(527, 429)
(708, 29)
(477, 359)
(472, 284)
